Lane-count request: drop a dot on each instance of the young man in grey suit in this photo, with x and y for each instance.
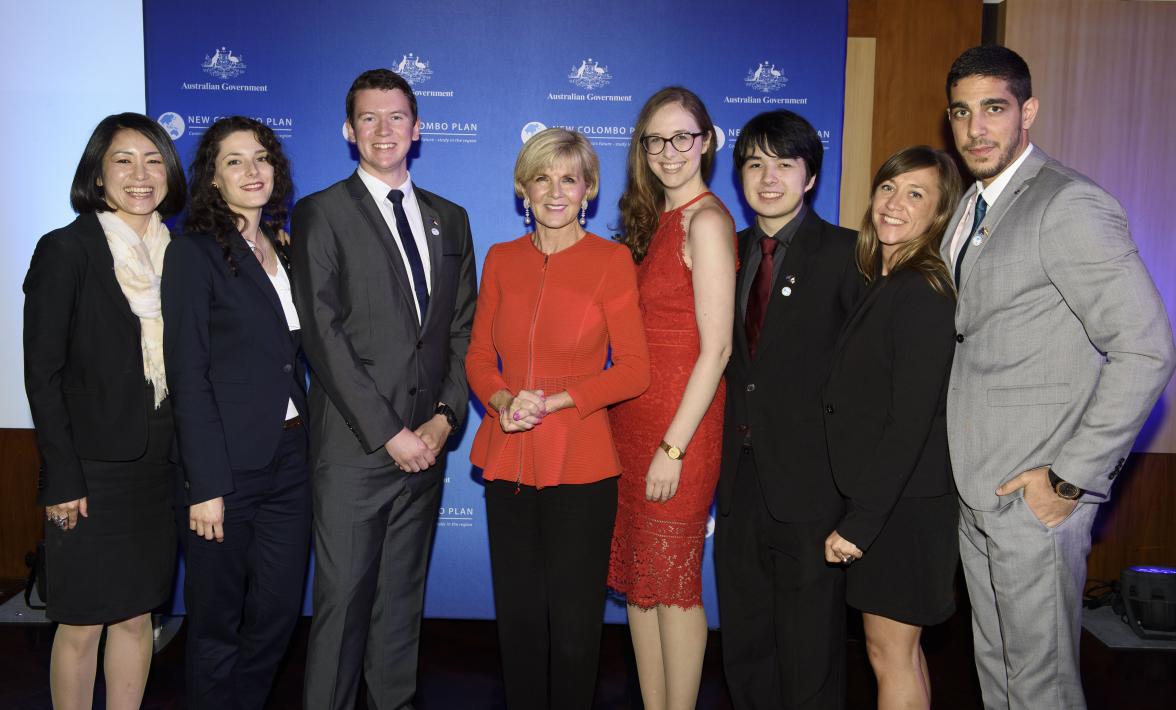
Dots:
(1062, 349)
(385, 287)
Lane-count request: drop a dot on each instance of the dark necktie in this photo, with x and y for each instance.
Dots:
(415, 265)
(981, 209)
(761, 288)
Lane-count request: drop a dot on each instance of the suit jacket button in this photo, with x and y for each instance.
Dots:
(741, 428)
(959, 337)
(412, 391)
(287, 368)
(750, 387)
(828, 409)
(420, 344)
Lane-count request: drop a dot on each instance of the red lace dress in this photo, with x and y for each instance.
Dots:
(657, 547)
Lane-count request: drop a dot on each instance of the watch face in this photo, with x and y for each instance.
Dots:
(1068, 491)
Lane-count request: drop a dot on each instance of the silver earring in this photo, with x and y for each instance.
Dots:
(583, 212)
(526, 211)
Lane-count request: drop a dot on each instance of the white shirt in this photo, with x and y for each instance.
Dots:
(990, 194)
(412, 209)
(281, 284)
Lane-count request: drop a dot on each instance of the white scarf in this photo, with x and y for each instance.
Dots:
(138, 263)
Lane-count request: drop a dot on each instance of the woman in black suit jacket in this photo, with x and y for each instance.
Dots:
(94, 375)
(232, 353)
(885, 404)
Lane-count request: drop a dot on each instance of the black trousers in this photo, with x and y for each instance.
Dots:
(549, 552)
(244, 595)
(782, 607)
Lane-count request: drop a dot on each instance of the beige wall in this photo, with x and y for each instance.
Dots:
(1105, 73)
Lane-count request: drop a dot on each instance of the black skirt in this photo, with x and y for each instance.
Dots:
(908, 574)
(119, 562)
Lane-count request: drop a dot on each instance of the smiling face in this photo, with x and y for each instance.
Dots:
(134, 178)
(678, 171)
(556, 194)
(990, 129)
(244, 175)
(383, 131)
(774, 187)
(903, 208)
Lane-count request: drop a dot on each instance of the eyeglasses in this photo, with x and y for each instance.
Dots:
(682, 142)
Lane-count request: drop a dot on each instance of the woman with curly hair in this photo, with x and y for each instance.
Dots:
(232, 351)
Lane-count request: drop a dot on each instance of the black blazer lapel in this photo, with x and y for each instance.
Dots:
(805, 242)
(94, 241)
(746, 243)
(863, 307)
(371, 212)
(431, 220)
(248, 264)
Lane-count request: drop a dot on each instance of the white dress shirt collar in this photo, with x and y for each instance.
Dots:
(992, 193)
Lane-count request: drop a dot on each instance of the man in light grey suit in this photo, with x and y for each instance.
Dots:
(385, 287)
(1062, 348)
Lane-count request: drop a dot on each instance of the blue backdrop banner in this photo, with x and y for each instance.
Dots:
(487, 75)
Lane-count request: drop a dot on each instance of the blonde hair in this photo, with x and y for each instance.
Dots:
(543, 149)
(922, 252)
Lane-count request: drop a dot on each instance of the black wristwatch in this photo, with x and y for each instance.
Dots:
(450, 416)
(1063, 489)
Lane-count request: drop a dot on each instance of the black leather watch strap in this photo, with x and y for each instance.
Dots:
(1063, 488)
(450, 416)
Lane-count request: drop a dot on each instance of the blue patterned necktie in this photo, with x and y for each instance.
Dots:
(981, 209)
(415, 265)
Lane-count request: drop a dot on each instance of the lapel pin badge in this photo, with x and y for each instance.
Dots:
(786, 291)
(435, 231)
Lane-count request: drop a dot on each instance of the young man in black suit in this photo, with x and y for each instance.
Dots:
(782, 608)
(385, 287)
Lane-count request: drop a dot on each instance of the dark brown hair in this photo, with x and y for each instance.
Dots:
(208, 213)
(384, 80)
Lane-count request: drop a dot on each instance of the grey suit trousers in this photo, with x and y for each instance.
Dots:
(1025, 583)
(373, 529)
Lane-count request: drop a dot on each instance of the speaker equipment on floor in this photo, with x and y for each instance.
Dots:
(1149, 600)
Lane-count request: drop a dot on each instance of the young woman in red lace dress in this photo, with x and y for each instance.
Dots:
(669, 439)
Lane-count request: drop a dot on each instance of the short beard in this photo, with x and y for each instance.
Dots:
(1005, 160)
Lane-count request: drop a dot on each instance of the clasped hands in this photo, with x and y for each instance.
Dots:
(416, 451)
(524, 412)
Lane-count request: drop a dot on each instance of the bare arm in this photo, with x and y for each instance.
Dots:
(710, 247)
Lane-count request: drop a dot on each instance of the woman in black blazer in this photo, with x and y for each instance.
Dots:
(885, 403)
(232, 353)
(94, 374)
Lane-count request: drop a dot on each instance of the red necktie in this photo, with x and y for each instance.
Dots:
(761, 287)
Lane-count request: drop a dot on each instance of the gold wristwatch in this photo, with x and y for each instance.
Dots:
(672, 451)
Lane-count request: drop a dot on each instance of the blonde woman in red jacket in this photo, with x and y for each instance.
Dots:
(551, 305)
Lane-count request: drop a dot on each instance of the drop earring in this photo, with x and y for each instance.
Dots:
(583, 212)
(526, 211)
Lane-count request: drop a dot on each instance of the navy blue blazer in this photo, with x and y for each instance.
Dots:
(232, 362)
